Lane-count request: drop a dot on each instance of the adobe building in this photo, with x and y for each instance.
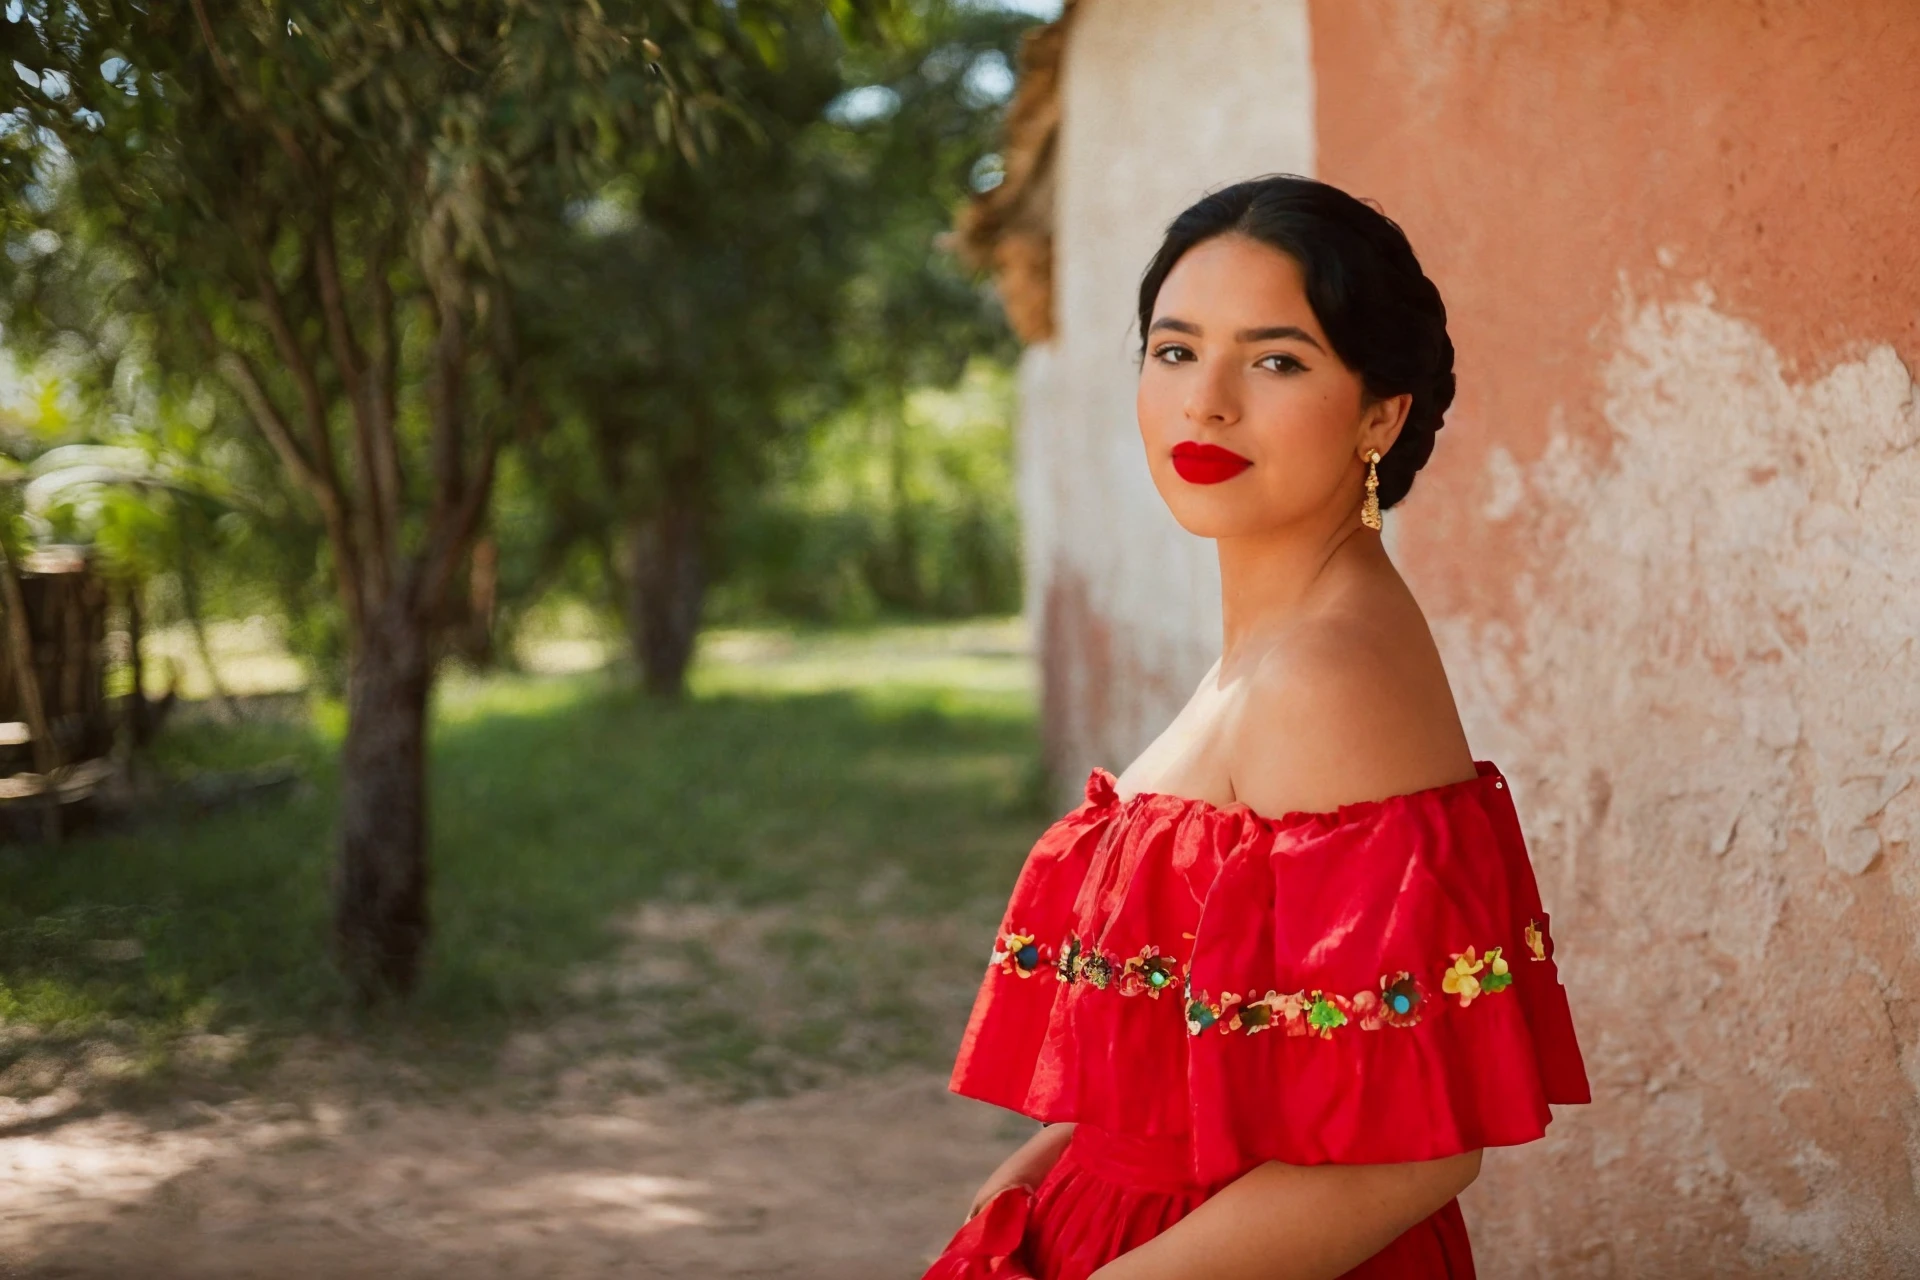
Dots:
(1669, 540)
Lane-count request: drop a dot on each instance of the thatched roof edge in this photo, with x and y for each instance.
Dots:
(1009, 229)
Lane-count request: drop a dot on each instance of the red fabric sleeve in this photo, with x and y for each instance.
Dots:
(1405, 1000)
(1371, 985)
(1014, 1008)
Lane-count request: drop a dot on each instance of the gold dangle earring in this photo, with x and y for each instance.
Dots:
(1370, 509)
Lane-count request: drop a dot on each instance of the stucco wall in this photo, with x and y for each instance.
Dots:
(1670, 542)
(1127, 604)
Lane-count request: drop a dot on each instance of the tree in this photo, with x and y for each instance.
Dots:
(915, 133)
(320, 202)
(713, 288)
(741, 301)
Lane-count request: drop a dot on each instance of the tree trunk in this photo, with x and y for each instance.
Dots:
(666, 587)
(483, 600)
(380, 887)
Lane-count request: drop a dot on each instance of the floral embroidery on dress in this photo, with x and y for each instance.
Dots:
(1291, 1010)
(1396, 1004)
(1254, 1015)
(1472, 976)
(1067, 967)
(1203, 1013)
(1017, 953)
(1399, 1002)
(1299, 1013)
(1326, 1013)
(1276, 1010)
(1149, 971)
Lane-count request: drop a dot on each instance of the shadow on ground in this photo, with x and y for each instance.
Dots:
(698, 970)
(867, 1178)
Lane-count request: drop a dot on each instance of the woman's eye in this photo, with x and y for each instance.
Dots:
(1172, 353)
(1280, 362)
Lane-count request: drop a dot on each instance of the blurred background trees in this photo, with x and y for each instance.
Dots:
(686, 317)
(734, 344)
(410, 320)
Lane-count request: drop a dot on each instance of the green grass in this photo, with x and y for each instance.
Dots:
(794, 871)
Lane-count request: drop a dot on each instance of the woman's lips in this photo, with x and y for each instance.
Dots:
(1198, 463)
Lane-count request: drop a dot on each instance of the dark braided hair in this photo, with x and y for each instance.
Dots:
(1377, 307)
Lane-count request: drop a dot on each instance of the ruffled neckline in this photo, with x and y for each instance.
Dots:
(1102, 792)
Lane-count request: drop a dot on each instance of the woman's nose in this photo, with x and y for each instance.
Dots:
(1214, 398)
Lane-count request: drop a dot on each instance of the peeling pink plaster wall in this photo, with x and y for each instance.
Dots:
(1671, 542)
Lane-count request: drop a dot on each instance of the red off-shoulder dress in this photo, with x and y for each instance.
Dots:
(1202, 989)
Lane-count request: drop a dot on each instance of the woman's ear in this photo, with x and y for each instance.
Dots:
(1381, 421)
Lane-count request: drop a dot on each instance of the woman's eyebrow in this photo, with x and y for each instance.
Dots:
(1279, 331)
(1267, 334)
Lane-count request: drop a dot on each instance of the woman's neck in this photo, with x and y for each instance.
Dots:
(1269, 580)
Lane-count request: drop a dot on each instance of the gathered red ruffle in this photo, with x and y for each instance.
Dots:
(1370, 985)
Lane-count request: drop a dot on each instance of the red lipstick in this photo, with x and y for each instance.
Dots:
(1198, 463)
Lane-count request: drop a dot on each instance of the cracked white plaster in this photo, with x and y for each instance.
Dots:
(1707, 702)
(1744, 570)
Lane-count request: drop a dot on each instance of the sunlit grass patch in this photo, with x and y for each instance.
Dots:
(832, 820)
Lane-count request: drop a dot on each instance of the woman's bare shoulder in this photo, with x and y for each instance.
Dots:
(1345, 708)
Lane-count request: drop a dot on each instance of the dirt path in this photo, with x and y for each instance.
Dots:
(858, 1181)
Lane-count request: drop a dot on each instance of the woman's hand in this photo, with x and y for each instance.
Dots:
(1027, 1166)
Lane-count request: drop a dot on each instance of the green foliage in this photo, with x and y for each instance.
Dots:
(714, 320)
(905, 502)
(317, 204)
(912, 515)
(681, 321)
(761, 324)
(924, 114)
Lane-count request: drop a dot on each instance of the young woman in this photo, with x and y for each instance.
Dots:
(1275, 986)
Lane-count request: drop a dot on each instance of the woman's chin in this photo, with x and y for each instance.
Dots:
(1214, 524)
(1207, 514)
